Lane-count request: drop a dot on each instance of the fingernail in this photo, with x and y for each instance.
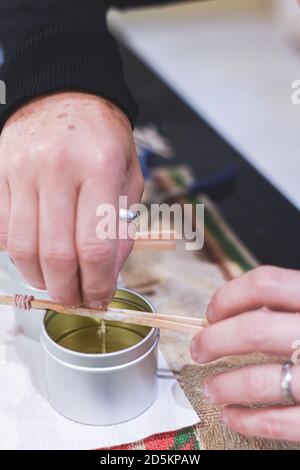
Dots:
(207, 390)
(194, 349)
(209, 313)
(197, 355)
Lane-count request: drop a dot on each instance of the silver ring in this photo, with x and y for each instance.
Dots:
(286, 382)
(128, 216)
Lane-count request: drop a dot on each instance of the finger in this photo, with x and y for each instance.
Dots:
(246, 333)
(269, 423)
(97, 258)
(275, 288)
(58, 201)
(125, 246)
(255, 384)
(4, 212)
(22, 240)
(134, 190)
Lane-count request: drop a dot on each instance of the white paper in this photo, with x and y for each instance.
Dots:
(27, 421)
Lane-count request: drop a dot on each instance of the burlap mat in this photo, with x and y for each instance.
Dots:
(182, 283)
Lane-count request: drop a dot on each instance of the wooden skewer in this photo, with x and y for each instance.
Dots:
(154, 241)
(155, 245)
(181, 324)
(160, 240)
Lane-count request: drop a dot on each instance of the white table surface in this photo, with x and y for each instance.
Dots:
(234, 66)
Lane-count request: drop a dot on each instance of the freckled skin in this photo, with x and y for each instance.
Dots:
(63, 115)
(62, 155)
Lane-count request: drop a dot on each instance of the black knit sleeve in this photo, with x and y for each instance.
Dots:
(55, 45)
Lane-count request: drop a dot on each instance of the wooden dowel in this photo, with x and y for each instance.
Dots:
(155, 245)
(178, 319)
(187, 325)
(160, 240)
(155, 241)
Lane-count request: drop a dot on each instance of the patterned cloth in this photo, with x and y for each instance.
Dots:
(185, 439)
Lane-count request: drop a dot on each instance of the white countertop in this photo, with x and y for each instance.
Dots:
(234, 65)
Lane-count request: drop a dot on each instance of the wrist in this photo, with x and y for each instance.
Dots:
(79, 57)
(62, 100)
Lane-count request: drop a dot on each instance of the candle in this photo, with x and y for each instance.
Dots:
(100, 372)
(91, 337)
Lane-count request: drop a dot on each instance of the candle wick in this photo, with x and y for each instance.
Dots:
(101, 332)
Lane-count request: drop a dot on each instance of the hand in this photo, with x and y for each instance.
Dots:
(60, 157)
(256, 312)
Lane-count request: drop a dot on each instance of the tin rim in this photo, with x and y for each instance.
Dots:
(109, 360)
(105, 370)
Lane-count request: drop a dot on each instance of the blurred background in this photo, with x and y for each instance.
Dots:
(233, 62)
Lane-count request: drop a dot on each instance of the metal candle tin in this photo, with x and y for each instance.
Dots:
(31, 321)
(101, 388)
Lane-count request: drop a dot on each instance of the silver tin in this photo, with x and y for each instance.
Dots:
(101, 389)
(31, 321)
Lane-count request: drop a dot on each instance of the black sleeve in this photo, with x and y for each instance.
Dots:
(54, 45)
(138, 3)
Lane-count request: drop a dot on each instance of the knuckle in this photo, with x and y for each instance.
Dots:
(58, 258)
(19, 252)
(93, 253)
(255, 383)
(103, 158)
(45, 148)
(58, 161)
(55, 156)
(100, 292)
(254, 329)
(263, 275)
(111, 151)
(271, 427)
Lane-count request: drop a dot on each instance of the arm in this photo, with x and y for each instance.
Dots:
(66, 147)
(50, 45)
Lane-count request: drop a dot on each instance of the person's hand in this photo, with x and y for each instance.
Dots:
(256, 312)
(60, 157)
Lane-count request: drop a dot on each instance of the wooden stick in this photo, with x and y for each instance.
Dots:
(154, 241)
(187, 325)
(155, 245)
(160, 240)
